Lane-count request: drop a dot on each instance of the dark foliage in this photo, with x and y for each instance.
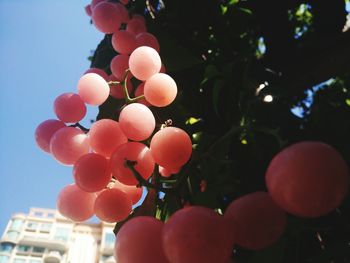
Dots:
(211, 48)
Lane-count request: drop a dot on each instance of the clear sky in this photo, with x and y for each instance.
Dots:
(44, 45)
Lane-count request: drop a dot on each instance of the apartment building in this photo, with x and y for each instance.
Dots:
(45, 236)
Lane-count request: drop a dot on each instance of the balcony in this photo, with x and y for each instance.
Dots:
(52, 257)
(10, 237)
(47, 243)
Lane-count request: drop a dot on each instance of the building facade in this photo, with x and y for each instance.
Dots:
(45, 236)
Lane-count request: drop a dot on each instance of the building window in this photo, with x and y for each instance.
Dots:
(4, 259)
(38, 250)
(109, 239)
(50, 215)
(45, 227)
(16, 224)
(35, 261)
(62, 234)
(38, 214)
(12, 235)
(6, 247)
(104, 257)
(19, 260)
(23, 249)
(32, 226)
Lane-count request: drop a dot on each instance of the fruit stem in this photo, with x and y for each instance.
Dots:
(81, 127)
(189, 185)
(132, 100)
(129, 100)
(142, 181)
(112, 83)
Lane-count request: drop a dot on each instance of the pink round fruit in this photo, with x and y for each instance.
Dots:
(75, 204)
(119, 65)
(139, 92)
(160, 90)
(45, 131)
(117, 91)
(136, 26)
(68, 144)
(171, 147)
(93, 89)
(124, 42)
(112, 205)
(124, 2)
(135, 193)
(106, 17)
(164, 171)
(147, 39)
(88, 10)
(92, 172)
(95, 2)
(69, 107)
(105, 136)
(135, 152)
(196, 234)
(98, 71)
(123, 13)
(144, 62)
(308, 179)
(137, 121)
(255, 221)
(139, 240)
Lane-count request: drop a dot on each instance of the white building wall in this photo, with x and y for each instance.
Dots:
(44, 236)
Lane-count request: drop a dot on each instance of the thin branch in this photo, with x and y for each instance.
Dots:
(143, 182)
(81, 127)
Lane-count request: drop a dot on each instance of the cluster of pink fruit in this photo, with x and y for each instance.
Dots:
(108, 18)
(105, 185)
(307, 179)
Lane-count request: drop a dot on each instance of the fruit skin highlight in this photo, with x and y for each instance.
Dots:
(137, 121)
(171, 147)
(308, 179)
(144, 62)
(160, 90)
(93, 89)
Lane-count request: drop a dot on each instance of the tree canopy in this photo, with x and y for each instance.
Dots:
(253, 77)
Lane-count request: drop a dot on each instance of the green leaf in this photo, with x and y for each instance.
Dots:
(197, 136)
(233, 2)
(210, 72)
(223, 9)
(175, 56)
(192, 120)
(218, 86)
(347, 101)
(246, 11)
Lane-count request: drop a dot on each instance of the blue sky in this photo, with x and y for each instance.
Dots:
(44, 45)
